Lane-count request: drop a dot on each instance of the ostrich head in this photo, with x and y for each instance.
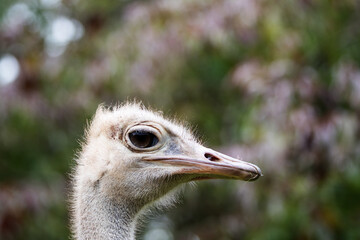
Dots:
(135, 151)
(133, 156)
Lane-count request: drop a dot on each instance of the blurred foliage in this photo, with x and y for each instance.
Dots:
(277, 83)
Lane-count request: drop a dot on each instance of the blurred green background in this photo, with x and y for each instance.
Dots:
(275, 82)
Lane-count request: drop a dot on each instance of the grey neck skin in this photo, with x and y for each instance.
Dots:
(102, 218)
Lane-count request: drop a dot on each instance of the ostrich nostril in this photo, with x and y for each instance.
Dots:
(211, 157)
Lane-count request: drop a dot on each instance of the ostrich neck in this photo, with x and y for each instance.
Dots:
(98, 217)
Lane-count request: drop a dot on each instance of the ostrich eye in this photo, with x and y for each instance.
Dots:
(143, 139)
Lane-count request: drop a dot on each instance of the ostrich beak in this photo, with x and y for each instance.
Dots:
(210, 164)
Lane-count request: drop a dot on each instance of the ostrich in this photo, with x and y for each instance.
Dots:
(133, 158)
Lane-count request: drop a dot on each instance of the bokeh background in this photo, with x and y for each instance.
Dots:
(275, 82)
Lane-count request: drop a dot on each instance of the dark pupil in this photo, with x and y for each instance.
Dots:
(143, 139)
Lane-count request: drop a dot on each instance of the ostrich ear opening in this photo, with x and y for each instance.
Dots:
(115, 132)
